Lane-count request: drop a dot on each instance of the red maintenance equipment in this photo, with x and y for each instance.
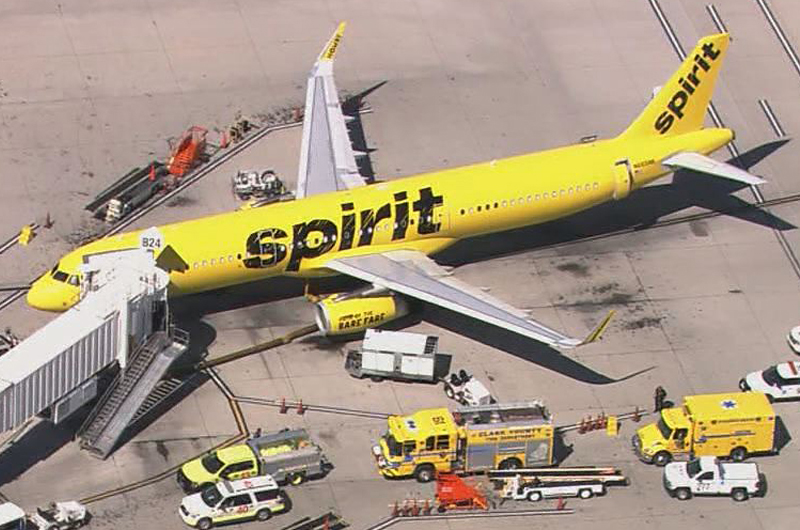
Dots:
(454, 493)
(187, 151)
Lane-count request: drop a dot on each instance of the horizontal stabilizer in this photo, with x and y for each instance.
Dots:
(704, 164)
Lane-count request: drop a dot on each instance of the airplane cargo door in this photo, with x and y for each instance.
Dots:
(623, 179)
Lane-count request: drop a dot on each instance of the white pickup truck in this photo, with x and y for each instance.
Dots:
(707, 476)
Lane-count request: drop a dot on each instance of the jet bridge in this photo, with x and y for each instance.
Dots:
(122, 318)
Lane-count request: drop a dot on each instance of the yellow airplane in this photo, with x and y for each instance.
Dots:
(384, 233)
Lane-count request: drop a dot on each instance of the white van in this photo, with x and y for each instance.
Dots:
(227, 501)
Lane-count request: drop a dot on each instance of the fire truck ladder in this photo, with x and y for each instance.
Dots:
(118, 407)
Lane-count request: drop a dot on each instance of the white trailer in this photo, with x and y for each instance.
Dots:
(398, 355)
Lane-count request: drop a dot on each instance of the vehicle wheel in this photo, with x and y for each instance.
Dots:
(739, 494)
(204, 523)
(534, 496)
(662, 459)
(683, 494)
(205, 485)
(738, 454)
(424, 473)
(448, 391)
(585, 494)
(295, 479)
(510, 463)
(743, 385)
(263, 515)
(376, 378)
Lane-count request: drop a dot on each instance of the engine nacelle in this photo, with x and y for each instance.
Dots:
(341, 316)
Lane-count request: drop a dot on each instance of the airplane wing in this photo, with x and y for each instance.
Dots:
(415, 275)
(705, 164)
(327, 161)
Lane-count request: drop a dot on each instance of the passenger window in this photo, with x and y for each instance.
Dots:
(708, 475)
(471, 210)
(227, 503)
(205, 263)
(429, 443)
(505, 203)
(512, 202)
(409, 447)
(60, 276)
(266, 495)
(479, 208)
(241, 500)
(463, 211)
(196, 265)
(213, 261)
(496, 205)
(443, 442)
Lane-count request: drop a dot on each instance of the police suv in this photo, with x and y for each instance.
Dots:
(781, 381)
(228, 501)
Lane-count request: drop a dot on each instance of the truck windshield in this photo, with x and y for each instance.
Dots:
(665, 429)
(211, 496)
(212, 463)
(693, 467)
(395, 447)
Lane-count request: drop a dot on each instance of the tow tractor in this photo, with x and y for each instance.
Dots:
(258, 184)
(67, 515)
(466, 390)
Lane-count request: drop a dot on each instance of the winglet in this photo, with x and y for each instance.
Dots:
(598, 331)
(330, 49)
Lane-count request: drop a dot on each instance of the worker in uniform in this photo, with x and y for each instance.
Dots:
(659, 397)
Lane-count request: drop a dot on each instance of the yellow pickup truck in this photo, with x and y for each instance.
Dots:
(289, 456)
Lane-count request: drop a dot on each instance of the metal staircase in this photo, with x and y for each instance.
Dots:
(117, 408)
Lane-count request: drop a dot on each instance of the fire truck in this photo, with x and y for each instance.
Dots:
(468, 439)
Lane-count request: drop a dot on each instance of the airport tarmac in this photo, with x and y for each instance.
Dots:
(90, 89)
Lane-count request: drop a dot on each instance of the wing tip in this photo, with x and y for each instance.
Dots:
(329, 52)
(597, 332)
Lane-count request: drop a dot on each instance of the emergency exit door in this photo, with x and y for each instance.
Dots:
(623, 179)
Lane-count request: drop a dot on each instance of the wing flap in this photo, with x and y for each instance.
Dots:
(705, 164)
(415, 275)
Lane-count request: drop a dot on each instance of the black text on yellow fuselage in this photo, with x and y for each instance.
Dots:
(269, 247)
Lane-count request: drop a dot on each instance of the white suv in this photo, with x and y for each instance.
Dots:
(793, 338)
(781, 381)
(228, 501)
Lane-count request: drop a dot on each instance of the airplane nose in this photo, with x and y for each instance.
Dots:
(41, 296)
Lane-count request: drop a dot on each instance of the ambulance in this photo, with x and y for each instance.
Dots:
(725, 425)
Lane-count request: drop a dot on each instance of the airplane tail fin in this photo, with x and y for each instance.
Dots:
(680, 106)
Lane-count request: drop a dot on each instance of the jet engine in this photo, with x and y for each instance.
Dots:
(351, 313)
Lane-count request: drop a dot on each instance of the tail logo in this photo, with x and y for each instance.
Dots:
(689, 83)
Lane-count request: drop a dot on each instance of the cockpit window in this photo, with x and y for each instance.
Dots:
(74, 280)
(60, 276)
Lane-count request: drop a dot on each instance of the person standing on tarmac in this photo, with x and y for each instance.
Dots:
(659, 397)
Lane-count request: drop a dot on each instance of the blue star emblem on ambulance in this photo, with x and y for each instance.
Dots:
(728, 404)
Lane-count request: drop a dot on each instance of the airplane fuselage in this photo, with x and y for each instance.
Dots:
(428, 212)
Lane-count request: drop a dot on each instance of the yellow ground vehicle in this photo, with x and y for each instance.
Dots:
(733, 424)
(504, 436)
(288, 456)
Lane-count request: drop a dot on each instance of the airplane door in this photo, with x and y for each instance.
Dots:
(623, 179)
